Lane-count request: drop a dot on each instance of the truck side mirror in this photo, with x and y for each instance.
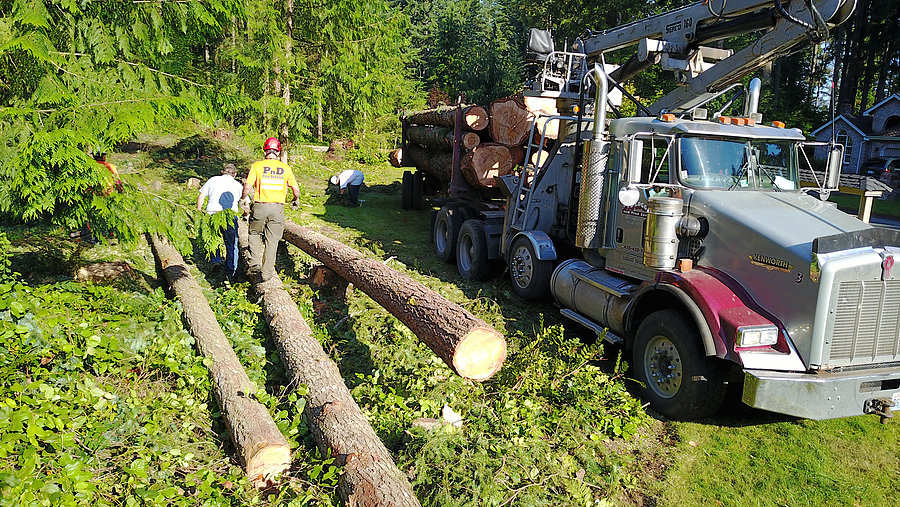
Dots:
(634, 151)
(833, 167)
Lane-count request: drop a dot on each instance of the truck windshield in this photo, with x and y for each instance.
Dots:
(712, 162)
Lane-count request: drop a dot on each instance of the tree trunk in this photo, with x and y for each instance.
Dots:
(469, 346)
(396, 157)
(260, 446)
(437, 164)
(516, 155)
(441, 138)
(336, 422)
(541, 109)
(510, 120)
(474, 117)
(289, 63)
(853, 62)
(481, 165)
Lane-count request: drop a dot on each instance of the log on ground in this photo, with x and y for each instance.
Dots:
(468, 345)
(487, 161)
(436, 163)
(474, 117)
(261, 447)
(338, 426)
(441, 138)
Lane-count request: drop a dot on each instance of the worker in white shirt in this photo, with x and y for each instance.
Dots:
(350, 180)
(224, 192)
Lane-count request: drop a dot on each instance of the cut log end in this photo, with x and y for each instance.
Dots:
(264, 467)
(477, 118)
(480, 354)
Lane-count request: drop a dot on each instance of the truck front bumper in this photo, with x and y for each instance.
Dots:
(822, 395)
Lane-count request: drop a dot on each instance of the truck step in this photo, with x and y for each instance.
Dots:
(605, 281)
(599, 330)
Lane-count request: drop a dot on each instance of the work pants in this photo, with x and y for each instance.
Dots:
(266, 228)
(353, 194)
(229, 237)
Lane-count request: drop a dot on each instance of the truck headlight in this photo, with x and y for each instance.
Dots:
(755, 336)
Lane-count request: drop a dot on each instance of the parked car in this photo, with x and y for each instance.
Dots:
(877, 165)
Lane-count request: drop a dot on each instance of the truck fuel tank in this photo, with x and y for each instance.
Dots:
(592, 292)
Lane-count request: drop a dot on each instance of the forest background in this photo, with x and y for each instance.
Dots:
(83, 76)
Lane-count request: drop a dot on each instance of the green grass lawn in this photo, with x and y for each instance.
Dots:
(850, 204)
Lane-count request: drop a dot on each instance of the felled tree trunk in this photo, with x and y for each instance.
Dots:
(437, 164)
(468, 345)
(474, 117)
(396, 157)
(510, 120)
(441, 138)
(541, 109)
(516, 155)
(338, 426)
(261, 448)
(481, 165)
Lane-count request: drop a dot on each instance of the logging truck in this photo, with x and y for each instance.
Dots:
(688, 232)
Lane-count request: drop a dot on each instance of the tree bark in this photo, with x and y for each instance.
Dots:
(481, 165)
(468, 345)
(289, 63)
(510, 120)
(441, 138)
(474, 117)
(261, 447)
(437, 164)
(336, 422)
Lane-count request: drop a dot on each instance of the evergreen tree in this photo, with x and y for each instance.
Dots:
(82, 77)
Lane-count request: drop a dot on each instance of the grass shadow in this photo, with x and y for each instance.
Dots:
(404, 234)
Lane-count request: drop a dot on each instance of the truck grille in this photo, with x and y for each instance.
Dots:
(866, 323)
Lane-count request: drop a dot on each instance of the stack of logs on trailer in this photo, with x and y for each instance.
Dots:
(493, 142)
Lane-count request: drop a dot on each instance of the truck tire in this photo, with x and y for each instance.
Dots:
(406, 189)
(471, 251)
(446, 229)
(417, 198)
(530, 276)
(679, 381)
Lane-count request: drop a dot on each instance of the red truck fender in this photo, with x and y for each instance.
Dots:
(715, 307)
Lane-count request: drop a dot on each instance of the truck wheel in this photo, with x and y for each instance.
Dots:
(446, 229)
(471, 251)
(417, 198)
(406, 188)
(678, 379)
(530, 276)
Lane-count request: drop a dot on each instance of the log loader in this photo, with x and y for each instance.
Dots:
(682, 231)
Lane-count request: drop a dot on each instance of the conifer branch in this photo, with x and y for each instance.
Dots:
(83, 106)
(133, 64)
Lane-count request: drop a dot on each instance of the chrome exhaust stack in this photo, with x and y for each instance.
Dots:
(589, 230)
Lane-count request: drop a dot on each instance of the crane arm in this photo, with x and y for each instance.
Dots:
(674, 41)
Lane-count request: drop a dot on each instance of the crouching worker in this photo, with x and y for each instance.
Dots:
(350, 181)
(223, 192)
(267, 183)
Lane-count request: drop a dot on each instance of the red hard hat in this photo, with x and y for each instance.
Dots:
(271, 144)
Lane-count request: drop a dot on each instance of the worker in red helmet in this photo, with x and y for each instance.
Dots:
(267, 183)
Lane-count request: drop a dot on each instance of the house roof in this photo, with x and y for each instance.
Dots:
(863, 125)
(876, 106)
